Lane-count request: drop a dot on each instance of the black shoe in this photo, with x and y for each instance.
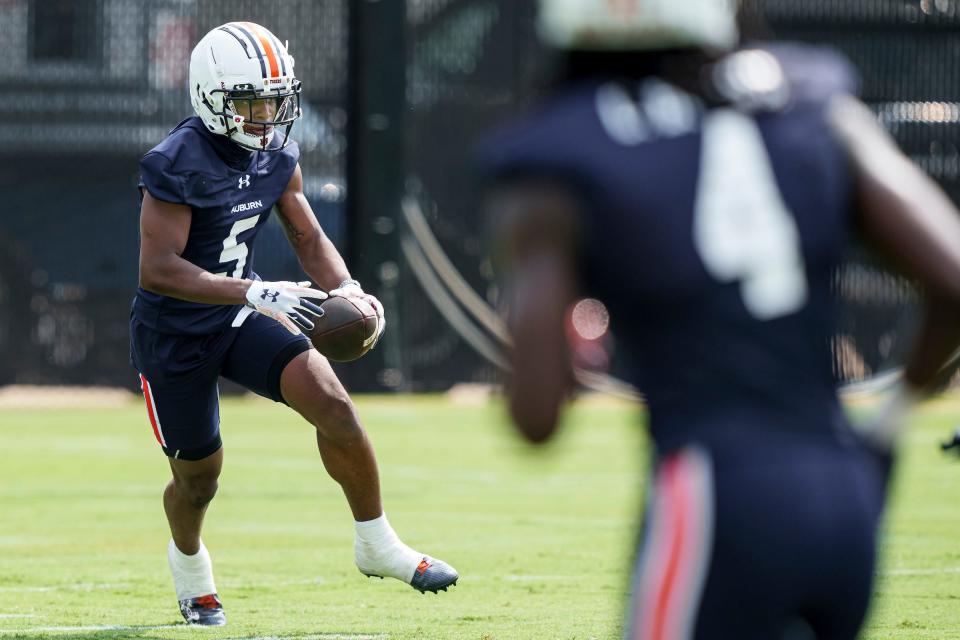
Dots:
(952, 445)
(434, 575)
(205, 611)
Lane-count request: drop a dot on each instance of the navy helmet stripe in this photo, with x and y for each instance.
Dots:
(238, 39)
(253, 41)
(280, 52)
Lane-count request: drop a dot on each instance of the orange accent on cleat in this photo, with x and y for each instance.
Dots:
(204, 611)
(423, 566)
(208, 602)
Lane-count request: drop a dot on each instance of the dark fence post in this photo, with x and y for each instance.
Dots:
(375, 177)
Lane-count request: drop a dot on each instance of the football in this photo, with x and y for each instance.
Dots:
(346, 330)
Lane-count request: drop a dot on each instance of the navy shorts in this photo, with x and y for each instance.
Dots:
(179, 375)
(778, 542)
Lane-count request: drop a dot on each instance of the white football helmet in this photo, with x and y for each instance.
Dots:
(638, 25)
(242, 84)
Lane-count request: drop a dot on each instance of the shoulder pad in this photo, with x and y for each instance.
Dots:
(775, 76)
(815, 73)
(157, 177)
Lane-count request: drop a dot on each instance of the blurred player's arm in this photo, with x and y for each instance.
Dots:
(903, 214)
(317, 254)
(164, 229)
(535, 233)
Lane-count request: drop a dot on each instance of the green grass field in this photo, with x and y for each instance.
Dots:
(540, 537)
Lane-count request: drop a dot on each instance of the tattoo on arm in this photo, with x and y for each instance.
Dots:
(294, 235)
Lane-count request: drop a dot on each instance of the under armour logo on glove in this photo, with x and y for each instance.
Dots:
(289, 303)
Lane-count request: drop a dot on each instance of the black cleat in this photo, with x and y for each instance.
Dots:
(433, 575)
(430, 575)
(952, 445)
(205, 611)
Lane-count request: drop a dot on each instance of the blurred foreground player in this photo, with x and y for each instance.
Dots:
(707, 196)
(201, 311)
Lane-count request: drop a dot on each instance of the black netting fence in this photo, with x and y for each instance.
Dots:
(470, 62)
(89, 85)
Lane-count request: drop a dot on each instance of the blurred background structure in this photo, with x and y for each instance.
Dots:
(395, 95)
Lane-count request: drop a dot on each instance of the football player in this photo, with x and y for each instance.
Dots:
(706, 194)
(201, 311)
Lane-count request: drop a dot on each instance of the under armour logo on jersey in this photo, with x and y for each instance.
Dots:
(266, 294)
(244, 182)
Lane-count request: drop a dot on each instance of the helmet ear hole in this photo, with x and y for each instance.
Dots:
(203, 99)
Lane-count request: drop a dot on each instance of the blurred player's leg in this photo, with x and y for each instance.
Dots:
(748, 546)
(311, 387)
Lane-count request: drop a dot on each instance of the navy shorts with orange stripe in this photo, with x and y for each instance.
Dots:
(773, 538)
(179, 376)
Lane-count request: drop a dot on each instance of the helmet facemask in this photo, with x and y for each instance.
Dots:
(252, 116)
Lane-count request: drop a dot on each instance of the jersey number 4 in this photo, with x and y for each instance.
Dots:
(237, 251)
(742, 228)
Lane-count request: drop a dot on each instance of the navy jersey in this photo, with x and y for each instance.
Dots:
(231, 192)
(710, 233)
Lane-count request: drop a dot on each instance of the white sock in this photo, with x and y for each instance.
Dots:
(380, 551)
(192, 575)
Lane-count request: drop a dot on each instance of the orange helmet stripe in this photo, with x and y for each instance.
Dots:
(267, 47)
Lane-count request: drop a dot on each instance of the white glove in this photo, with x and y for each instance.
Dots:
(352, 289)
(887, 421)
(286, 303)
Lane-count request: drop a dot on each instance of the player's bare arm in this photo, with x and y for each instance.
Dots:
(164, 228)
(317, 254)
(905, 215)
(536, 232)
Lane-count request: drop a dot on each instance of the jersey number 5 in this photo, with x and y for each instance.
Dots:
(232, 250)
(742, 228)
